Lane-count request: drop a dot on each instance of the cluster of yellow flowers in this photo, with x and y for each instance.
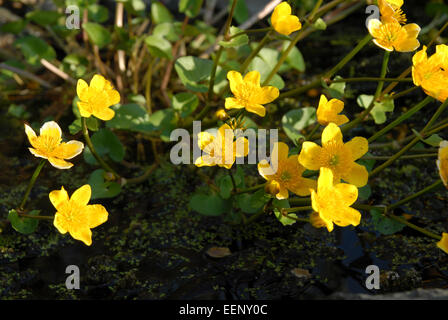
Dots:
(74, 215)
(389, 33)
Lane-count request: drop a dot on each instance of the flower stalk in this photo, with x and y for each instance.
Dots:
(31, 183)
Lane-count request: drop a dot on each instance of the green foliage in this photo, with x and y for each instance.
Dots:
(225, 186)
(236, 41)
(241, 13)
(22, 224)
(98, 13)
(14, 26)
(294, 59)
(190, 7)
(76, 126)
(252, 202)
(379, 110)
(383, 224)
(97, 34)
(296, 120)
(159, 13)
(102, 188)
(192, 71)
(34, 49)
(281, 204)
(159, 47)
(105, 143)
(209, 205)
(185, 103)
(44, 17)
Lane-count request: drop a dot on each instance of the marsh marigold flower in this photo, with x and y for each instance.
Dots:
(332, 201)
(248, 93)
(328, 111)
(432, 73)
(221, 149)
(336, 155)
(392, 36)
(74, 215)
(316, 221)
(285, 173)
(49, 145)
(283, 21)
(443, 243)
(391, 11)
(442, 162)
(97, 98)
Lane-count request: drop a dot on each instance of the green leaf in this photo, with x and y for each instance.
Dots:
(34, 49)
(168, 30)
(364, 193)
(241, 13)
(97, 34)
(98, 13)
(209, 205)
(237, 41)
(131, 117)
(296, 120)
(44, 17)
(434, 140)
(336, 90)
(281, 204)
(367, 163)
(192, 71)
(14, 27)
(383, 224)
(252, 203)
(225, 186)
(190, 7)
(294, 58)
(159, 47)
(159, 13)
(105, 143)
(165, 121)
(185, 103)
(76, 126)
(379, 110)
(21, 224)
(102, 188)
(18, 111)
(264, 65)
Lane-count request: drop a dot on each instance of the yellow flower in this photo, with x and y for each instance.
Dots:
(221, 114)
(248, 93)
(316, 221)
(432, 74)
(443, 243)
(442, 162)
(283, 21)
(74, 215)
(97, 98)
(220, 149)
(337, 156)
(333, 201)
(49, 146)
(285, 173)
(391, 11)
(328, 111)
(391, 35)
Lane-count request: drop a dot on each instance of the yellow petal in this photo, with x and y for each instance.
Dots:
(59, 223)
(83, 234)
(69, 150)
(443, 243)
(358, 147)
(241, 147)
(264, 169)
(303, 186)
(347, 216)
(309, 157)
(104, 114)
(257, 109)
(280, 151)
(204, 139)
(51, 129)
(233, 103)
(114, 97)
(205, 160)
(346, 193)
(81, 89)
(358, 175)
(98, 82)
(325, 181)
(84, 109)
(283, 193)
(407, 41)
(253, 77)
(287, 25)
(96, 214)
(374, 28)
(281, 10)
(58, 198)
(235, 80)
(59, 163)
(37, 153)
(267, 95)
(331, 134)
(82, 195)
(30, 134)
(340, 119)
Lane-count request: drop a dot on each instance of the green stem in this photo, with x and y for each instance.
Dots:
(250, 31)
(364, 79)
(213, 74)
(413, 226)
(297, 209)
(35, 217)
(413, 156)
(332, 71)
(233, 179)
(300, 201)
(31, 184)
(254, 188)
(402, 118)
(254, 52)
(313, 131)
(402, 93)
(103, 164)
(378, 91)
(415, 195)
(422, 133)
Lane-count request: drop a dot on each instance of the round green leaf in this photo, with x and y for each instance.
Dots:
(97, 34)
